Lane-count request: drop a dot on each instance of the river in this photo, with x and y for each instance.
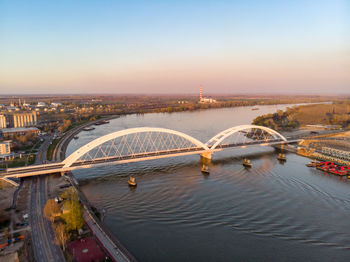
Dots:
(272, 212)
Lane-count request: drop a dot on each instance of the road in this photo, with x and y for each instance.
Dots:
(42, 233)
(111, 248)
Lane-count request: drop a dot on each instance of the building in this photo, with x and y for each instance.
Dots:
(41, 104)
(13, 132)
(25, 104)
(326, 127)
(204, 99)
(2, 121)
(54, 104)
(5, 148)
(25, 119)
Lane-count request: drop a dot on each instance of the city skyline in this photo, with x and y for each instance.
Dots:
(230, 47)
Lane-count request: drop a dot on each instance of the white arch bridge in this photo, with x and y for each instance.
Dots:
(147, 143)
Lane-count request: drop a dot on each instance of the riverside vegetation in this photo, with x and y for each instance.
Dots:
(337, 113)
(67, 218)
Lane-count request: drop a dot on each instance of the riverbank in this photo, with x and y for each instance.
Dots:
(175, 207)
(111, 245)
(323, 116)
(61, 147)
(318, 147)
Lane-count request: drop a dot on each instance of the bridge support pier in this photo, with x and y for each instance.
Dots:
(206, 155)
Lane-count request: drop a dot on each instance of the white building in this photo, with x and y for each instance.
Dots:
(207, 100)
(204, 99)
(24, 119)
(54, 104)
(41, 104)
(5, 148)
(2, 121)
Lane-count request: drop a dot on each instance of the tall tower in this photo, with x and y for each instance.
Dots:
(200, 93)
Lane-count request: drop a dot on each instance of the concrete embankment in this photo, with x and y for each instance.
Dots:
(108, 241)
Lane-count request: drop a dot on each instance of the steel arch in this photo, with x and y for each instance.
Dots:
(216, 140)
(99, 141)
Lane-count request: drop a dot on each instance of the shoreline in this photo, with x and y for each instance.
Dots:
(117, 252)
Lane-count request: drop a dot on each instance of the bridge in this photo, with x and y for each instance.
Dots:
(148, 143)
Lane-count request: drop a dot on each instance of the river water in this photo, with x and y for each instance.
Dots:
(272, 212)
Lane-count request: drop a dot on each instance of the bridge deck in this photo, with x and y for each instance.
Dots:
(59, 167)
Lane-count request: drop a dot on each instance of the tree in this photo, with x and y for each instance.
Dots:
(51, 209)
(73, 215)
(61, 235)
(65, 125)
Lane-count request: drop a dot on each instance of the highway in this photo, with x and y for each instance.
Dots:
(42, 233)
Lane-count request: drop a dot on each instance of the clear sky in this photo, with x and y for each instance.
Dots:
(106, 46)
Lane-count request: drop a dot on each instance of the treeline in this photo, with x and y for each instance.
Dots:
(84, 111)
(67, 217)
(337, 113)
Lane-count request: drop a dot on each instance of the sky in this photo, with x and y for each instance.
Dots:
(170, 47)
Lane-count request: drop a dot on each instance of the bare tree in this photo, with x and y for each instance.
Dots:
(62, 236)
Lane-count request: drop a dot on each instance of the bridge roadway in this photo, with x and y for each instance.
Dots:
(42, 233)
(59, 167)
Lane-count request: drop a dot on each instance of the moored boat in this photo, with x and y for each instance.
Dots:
(312, 163)
(281, 157)
(132, 181)
(332, 168)
(102, 122)
(75, 137)
(88, 128)
(247, 163)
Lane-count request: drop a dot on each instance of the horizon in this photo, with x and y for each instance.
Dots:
(243, 94)
(231, 47)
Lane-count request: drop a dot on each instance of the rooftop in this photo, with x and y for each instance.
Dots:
(19, 129)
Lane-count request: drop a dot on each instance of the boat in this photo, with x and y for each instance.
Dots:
(132, 181)
(88, 128)
(205, 170)
(338, 170)
(255, 108)
(312, 164)
(102, 122)
(247, 163)
(75, 137)
(281, 157)
(324, 166)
